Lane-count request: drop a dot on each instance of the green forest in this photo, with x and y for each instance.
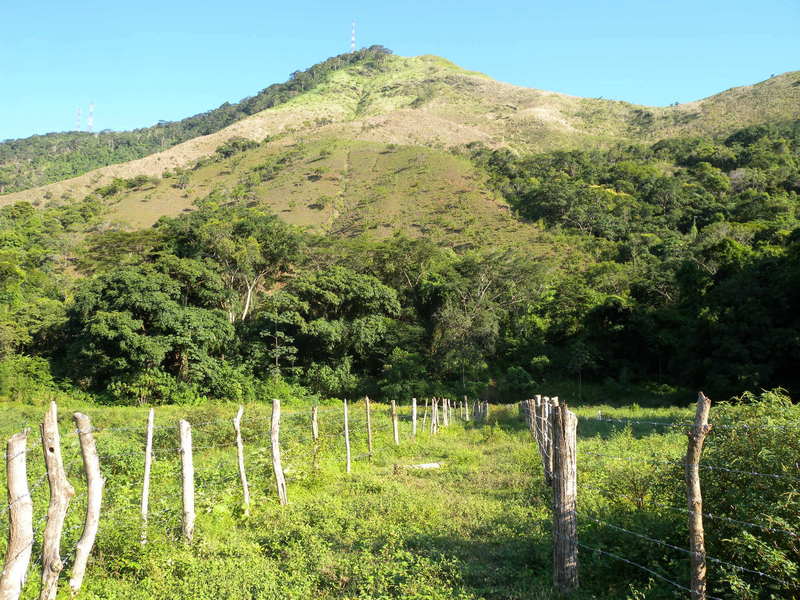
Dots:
(684, 271)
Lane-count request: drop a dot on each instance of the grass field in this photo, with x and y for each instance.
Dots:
(479, 527)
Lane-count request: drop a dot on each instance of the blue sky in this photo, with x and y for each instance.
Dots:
(146, 61)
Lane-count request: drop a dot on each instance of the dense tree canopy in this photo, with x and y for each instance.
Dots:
(683, 269)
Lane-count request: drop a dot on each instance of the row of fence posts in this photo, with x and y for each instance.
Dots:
(20, 544)
(554, 429)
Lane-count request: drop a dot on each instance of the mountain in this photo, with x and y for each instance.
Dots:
(371, 143)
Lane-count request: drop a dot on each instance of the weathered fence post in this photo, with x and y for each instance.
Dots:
(446, 411)
(315, 423)
(61, 492)
(94, 500)
(346, 439)
(425, 416)
(148, 464)
(414, 417)
(369, 427)
(237, 427)
(434, 416)
(395, 430)
(697, 437)
(543, 434)
(466, 409)
(275, 430)
(564, 425)
(315, 434)
(20, 518)
(187, 479)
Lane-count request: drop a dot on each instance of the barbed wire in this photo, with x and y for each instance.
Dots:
(686, 550)
(700, 466)
(642, 567)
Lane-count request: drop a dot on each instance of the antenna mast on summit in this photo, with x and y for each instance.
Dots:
(353, 38)
(90, 118)
(78, 119)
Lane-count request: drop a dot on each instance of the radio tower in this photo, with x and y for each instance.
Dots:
(78, 120)
(90, 118)
(353, 39)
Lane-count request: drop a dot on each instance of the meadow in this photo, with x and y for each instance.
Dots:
(478, 527)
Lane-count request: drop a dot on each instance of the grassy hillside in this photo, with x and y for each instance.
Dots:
(429, 101)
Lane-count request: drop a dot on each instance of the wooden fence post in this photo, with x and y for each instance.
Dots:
(697, 437)
(20, 518)
(187, 479)
(346, 439)
(414, 417)
(61, 492)
(425, 416)
(564, 425)
(275, 430)
(369, 427)
(466, 409)
(94, 500)
(395, 430)
(434, 416)
(148, 464)
(237, 427)
(315, 423)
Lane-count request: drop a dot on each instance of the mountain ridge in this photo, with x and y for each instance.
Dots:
(431, 102)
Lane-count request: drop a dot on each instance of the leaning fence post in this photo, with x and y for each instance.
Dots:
(237, 427)
(369, 426)
(564, 425)
(20, 518)
(94, 499)
(61, 492)
(148, 463)
(346, 439)
(275, 429)
(395, 430)
(414, 417)
(187, 479)
(694, 495)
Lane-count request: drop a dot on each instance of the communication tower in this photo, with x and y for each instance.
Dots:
(90, 118)
(353, 38)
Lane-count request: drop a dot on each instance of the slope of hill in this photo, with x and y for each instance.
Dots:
(42, 159)
(428, 101)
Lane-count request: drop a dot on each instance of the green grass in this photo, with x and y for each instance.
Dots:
(479, 527)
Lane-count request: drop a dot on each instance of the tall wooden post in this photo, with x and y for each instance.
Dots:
(20, 518)
(94, 499)
(414, 417)
(277, 467)
(564, 425)
(425, 416)
(315, 423)
(697, 437)
(395, 429)
(369, 426)
(346, 439)
(148, 464)
(61, 492)
(237, 427)
(187, 479)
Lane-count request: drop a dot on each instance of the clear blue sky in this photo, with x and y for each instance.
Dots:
(143, 61)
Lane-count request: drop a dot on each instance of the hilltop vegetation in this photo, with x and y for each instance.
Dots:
(682, 271)
(371, 95)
